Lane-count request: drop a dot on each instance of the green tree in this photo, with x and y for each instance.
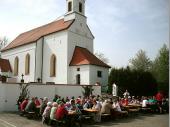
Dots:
(135, 81)
(160, 68)
(3, 43)
(88, 90)
(140, 61)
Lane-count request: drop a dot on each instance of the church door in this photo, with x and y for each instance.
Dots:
(78, 79)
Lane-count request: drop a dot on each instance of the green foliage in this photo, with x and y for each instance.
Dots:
(88, 90)
(24, 92)
(160, 68)
(137, 82)
(3, 43)
(140, 62)
(144, 76)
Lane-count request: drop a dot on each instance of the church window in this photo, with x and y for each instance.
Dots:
(78, 69)
(99, 74)
(69, 6)
(78, 79)
(80, 7)
(53, 66)
(16, 66)
(27, 64)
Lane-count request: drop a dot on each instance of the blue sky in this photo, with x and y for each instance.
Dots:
(121, 27)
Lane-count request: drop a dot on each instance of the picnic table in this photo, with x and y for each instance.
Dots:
(135, 105)
(72, 113)
(91, 110)
(132, 107)
(88, 114)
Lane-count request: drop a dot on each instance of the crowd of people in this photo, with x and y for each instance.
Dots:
(60, 108)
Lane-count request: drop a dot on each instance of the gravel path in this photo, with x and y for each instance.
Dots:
(141, 120)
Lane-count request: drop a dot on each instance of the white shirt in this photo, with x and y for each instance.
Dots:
(144, 103)
(116, 106)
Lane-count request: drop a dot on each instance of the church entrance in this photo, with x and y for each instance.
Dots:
(78, 79)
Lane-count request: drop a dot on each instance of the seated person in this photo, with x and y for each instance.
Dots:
(31, 107)
(43, 105)
(117, 109)
(106, 107)
(152, 103)
(76, 111)
(79, 104)
(97, 106)
(73, 107)
(87, 104)
(24, 104)
(55, 98)
(46, 113)
(144, 102)
(53, 110)
(165, 105)
(61, 113)
(37, 102)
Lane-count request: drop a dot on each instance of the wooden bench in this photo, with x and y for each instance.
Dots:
(133, 111)
(145, 110)
(87, 118)
(105, 116)
(57, 123)
(31, 115)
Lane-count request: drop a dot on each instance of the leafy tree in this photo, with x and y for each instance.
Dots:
(137, 82)
(140, 62)
(160, 68)
(3, 43)
(102, 57)
(88, 90)
(24, 91)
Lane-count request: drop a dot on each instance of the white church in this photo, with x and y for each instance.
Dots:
(60, 52)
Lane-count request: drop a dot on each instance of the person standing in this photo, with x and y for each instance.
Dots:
(126, 94)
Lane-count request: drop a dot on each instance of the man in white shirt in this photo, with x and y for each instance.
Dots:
(126, 94)
(144, 102)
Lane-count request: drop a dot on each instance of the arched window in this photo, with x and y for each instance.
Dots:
(27, 64)
(53, 66)
(80, 7)
(69, 6)
(16, 66)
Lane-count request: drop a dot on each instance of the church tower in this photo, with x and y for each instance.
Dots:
(75, 9)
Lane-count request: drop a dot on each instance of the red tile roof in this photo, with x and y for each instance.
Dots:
(5, 65)
(35, 34)
(82, 56)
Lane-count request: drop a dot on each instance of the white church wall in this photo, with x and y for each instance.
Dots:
(55, 44)
(10, 92)
(38, 59)
(78, 35)
(93, 75)
(84, 74)
(21, 52)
